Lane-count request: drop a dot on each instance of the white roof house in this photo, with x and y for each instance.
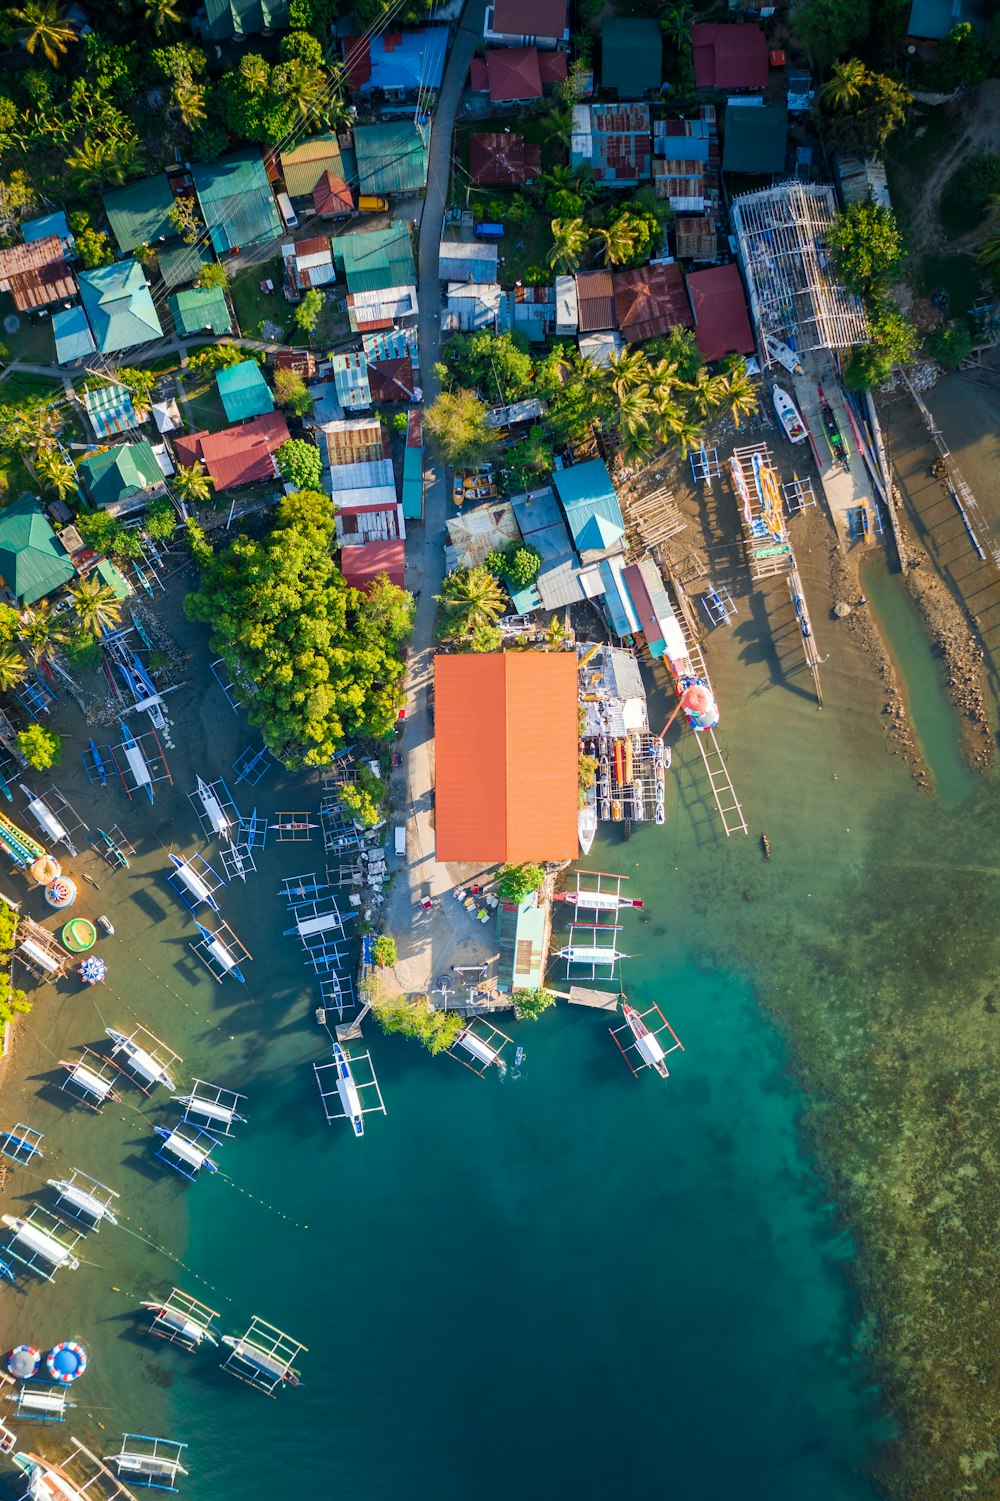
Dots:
(464, 261)
(364, 484)
(567, 305)
(472, 306)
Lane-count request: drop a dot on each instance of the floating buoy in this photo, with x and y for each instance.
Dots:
(93, 970)
(24, 1361)
(698, 703)
(61, 893)
(79, 935)
(66, 1361)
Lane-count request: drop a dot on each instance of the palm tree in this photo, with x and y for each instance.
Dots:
(12, 666)
(42, 25)
(627, 370)
(707, 392)
(560, 124)
(843, 88)
(189, 102)
(738, 394)
(677, 23)
(300, 83)
(473, 598)
(193, 484)
(632, 418)
(669, 418)
(161, 14)
(558, 178)
(556, 634)
(688, 436)
(42, 630)
(619, 242)
(55, 472)
(97, 606)
(569, 241)
(97, 163)
(989, 254)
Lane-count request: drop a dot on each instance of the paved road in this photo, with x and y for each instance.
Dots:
(425, 545)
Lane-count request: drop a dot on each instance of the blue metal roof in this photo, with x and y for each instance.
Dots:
(244, 391)
(48, 224)
(72, 335)
(617, 603)
(414, 61)
(542, 525)
(586, 491)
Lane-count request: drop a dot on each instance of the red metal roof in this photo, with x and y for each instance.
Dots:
(595, 293)
(552, 67)
(236, 455)
(729, 56)
(721, 321)
(513, 74)
(358, 60)
(415, 428)
(391, 380)
(36, 273)
(362, 565)
(506, 747)
(503, 158)
(651, 300)
(332, 197)
(539, 18)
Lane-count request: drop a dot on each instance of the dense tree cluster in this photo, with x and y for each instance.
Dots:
(324, 660)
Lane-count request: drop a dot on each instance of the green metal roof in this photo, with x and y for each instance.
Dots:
(376, 259)
(413, 483)
(108, 574)
(33, 562)
(138, 214)
(183, 263)
(119, 473)
(236, 200)
(631, 55)
(586, 492)
(198, 308)
(756, 138)
(119, 306)
(392, 157)
(236, 18)
(244, 391)
(521, 937)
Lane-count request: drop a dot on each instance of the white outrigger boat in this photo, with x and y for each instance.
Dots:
(788, 415)
(48, 1481)
(149, 1065)
(182, 1320)
(645, 1040)
(586, 827)
(598, 898)
(348, 1090)
(784, 354)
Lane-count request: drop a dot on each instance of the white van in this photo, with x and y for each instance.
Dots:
(288, 214)
(400, 836)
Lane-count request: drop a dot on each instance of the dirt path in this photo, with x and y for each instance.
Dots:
(980, 117)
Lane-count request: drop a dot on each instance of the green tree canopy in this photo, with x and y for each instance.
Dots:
(306, 315)
(290, 392)
(518, 881)
(529, 1004)
(325, 659)
(830, 29)
(300, 463)
(457, 423)
(470, 598)
(40, 747)
(416, 1018)
(497, 366)
(867, 247)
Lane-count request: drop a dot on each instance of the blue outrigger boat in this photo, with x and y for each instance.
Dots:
(99, 766)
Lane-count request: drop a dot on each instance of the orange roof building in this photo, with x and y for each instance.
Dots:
(506, 751)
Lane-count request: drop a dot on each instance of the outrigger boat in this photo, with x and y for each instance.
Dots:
(147, 1068)
(784, 354)
(214, 812)
(99, 766)
(647, 1044)
(182, 1320)
(348, 1091)
(788, 415)
(48, 1481)
(834, 436)
(586, 827)
(138, 764)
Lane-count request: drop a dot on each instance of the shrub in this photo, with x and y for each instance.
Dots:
(518, 881)
(40, 747)
(529, 1004)
(968, 192)
(436, 1030)
(384, 951)
(950, 346)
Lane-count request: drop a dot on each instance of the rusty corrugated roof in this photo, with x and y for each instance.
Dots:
(506, 756)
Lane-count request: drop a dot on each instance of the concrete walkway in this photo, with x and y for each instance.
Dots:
(844, 491)
(447, 932)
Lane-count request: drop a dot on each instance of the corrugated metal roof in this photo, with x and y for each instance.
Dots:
(376, 259)
(304, 165)
(199, 308)
(586, 491)
(48, 224)
(729, 56)
(183, 264)
(236, 455)
(361, 566)
(119, 306)
(756, 138)
(350, 377)
(244, 391)
(236, 200)
(74, 341)
(140, 213)
(413, 483)
(382, 308)
(512, 74)
(230, 20)
(721, 320)
(567, 305)
(506, 756)
(631, 55)
(393, 344)
(392, 157)
(403, 61)
(373, 474)
(353, 441)
(559, 583)
(120, 473)
(521, 936)
(545, 19)
(651, 300)
(110, 410)
(596, 296)
(462, 261)
(503, 159)
(33, 562)
(617, 602)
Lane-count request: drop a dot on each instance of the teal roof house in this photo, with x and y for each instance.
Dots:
(33, 562)
(119, 479)
(229, 20)
(119, 307)
(236, 201)
(200, 310)
(375, 259)
(392, 157)
(592, 510)
(74, 341)
(140, 213)
(244, 391)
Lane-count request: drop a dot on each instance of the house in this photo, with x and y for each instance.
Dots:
(496, 798)
(721, 320)
(71, 331)
(393, 344)
(471, 307)
(244, 391)
(308, 264)
(139, 214)
(350, 379)
(598, 348)
(651, 300)
(391, 380)
(381, 521)
(166, 415)
(521, 938)
(398, 64)
(298, 361)
(33, 562)
(729, 56)
(183, 264)
(475, 532)
(122, 479)
(542, 525)
(512, 75)
(756, 138)
(567, 305)
(332, 198)
(365, 484)
(931, 20)
(381, 309)
(463, 260)
(696, 238)
(614, 140)
(50, 224)
(119, 306)
(686, 166)
(654, 612)
(596, 301)
(303, 166)
(527, 23)
(200, 310)
(631, 56)
(530, 311)
(236, 455)
(353, 441)
(361, 566)
(553, 67)
(391, 157)
(376, 259)
(592, 510)
(413, 467)
(234, 20)
(503, 159)
(236, 201)
(36, 273)
(110, 411)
